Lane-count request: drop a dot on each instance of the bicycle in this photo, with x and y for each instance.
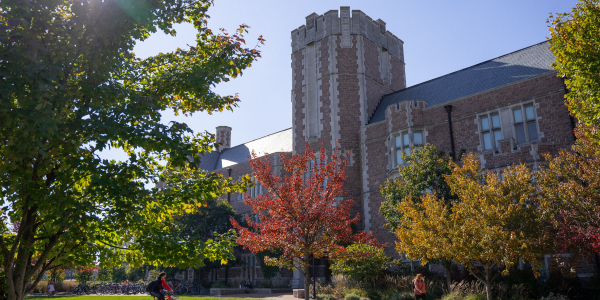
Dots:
(180, 289)
(195, 289)
(168, 295)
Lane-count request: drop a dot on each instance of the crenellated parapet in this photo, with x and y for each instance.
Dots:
(346, 23)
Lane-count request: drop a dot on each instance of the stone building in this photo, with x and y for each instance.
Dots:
(349, 90)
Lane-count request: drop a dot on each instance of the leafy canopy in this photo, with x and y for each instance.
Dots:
(300, 216)
(570, 197)
(575, 42)
(424, 172)
(496, 221)
(361, 262)
(70, 88)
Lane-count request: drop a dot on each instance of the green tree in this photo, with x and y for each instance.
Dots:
(136, 274)
(210, 220)
(361, 261)
(424, 172)
(119, 274)
(268, 270)
(70, 88)
(104, 274)
(575, 42)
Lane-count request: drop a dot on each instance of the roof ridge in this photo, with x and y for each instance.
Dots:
(483, 62)
(256, 139)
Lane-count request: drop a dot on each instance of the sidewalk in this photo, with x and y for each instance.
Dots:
(262, 296)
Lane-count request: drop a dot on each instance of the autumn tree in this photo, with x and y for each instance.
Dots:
(570, 197)
(575, 42)
(361, 262)
(424, 172)
(302, 215)
(70, 88)
(496, 220)
(424, 232)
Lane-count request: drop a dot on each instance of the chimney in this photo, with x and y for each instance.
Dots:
(224, 137)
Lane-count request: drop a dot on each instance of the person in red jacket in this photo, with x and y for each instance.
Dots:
(164, 283)
(419, 284)
(155, 288)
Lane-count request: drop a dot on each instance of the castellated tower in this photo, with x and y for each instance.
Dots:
(343, 62)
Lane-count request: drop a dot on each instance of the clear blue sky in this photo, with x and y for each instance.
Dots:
(439, 37)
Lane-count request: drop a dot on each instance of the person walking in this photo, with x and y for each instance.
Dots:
(51, 287)
(419, 286)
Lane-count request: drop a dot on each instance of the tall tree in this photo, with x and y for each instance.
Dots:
(210, 220)
(424, 172)
(497, 220)
(301, 215)
(570, 197)
(70, 88)
(575, 41)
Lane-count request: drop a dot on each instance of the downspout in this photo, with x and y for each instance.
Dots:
(229, 193)
(449, 111)
(573, 127)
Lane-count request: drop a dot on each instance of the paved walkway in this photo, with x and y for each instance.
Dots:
(244, 296)
(263, 296)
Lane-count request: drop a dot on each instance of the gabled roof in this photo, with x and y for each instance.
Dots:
(522, 64)
(280, 141)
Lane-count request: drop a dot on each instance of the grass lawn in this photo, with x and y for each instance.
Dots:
(141, 297)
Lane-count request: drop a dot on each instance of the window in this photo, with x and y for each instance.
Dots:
(256, 190)
(525, 124)
(490, 131)
(402, 144)
(249, 267)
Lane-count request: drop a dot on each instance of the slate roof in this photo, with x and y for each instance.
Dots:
(280, 141)
(509, 68)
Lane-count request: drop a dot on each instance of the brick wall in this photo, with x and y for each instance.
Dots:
(545, 92)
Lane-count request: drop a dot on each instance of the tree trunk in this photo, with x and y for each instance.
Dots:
(488, 282)
(488, 289)
(306, 279)
(448, 266)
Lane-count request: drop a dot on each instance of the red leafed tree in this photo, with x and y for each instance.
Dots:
(570, 195)
(300, 215)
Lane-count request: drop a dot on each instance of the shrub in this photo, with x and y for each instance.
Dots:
(352, 296)
(453, 296)
(554, 297)
(59, 287)
(325, 296)
(477, 296)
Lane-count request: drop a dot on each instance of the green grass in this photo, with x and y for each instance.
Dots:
(140, 297)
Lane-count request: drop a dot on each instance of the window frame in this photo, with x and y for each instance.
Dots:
(525, 123)
(403, 146)
(491, 130)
